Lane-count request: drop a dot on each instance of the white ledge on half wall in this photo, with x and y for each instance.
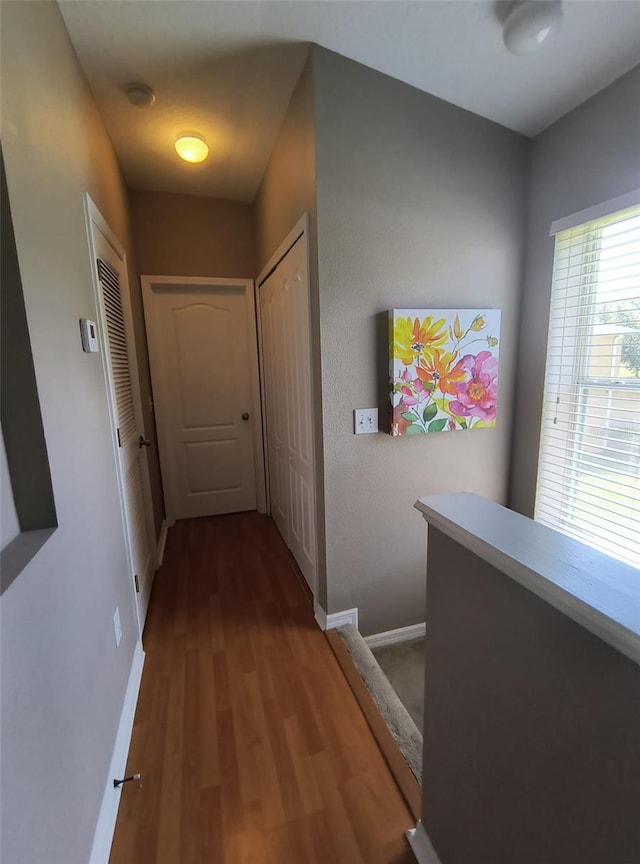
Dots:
(596, 591)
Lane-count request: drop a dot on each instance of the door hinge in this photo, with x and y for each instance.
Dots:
(137, 582)
(119, 439)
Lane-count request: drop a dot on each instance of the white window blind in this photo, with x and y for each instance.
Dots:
(589, 467)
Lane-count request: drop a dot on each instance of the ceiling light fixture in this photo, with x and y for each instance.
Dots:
(191, 147)
(140, 95)
(530, 24)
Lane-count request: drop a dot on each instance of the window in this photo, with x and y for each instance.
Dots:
(589, 467)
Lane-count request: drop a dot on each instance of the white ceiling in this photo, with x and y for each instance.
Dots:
(227, 70)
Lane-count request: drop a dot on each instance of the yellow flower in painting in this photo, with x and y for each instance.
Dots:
(442, 371)
(478, 323)
(458, 332)
(413, 338)
(492, 341)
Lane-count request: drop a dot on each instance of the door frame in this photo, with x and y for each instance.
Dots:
(299, 229)
(148, 283)
(94, 220)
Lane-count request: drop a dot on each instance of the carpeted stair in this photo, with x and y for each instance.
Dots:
(404, 731)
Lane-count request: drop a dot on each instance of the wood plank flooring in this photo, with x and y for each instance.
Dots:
(251, 745)
(398, 766)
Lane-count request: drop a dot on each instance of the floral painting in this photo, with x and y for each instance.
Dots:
(444, 369)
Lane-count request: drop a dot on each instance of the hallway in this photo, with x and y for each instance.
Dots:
(251, 746)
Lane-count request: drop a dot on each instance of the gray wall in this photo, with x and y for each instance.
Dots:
(9, 527)
(286, 193)
(288, 188)
(587, 157)
(420, 204)
(63, 679)
(531, 726)
(189, 235)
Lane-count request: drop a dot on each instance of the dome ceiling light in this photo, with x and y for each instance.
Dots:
(531, 24)
(191, 147)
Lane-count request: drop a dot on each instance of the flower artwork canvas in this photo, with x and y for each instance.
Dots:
(444, 369)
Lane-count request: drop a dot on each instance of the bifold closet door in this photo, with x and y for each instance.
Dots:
(286, 348)
(273, 362)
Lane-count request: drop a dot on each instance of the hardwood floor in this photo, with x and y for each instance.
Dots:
(398, 766)
(251, 745)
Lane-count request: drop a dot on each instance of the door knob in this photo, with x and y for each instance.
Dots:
(143, 442)
(245, 416)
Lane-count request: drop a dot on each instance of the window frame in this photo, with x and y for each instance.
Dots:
(559, 471)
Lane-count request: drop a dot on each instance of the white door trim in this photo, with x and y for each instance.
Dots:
(148, 282)
(162, 542)
(301, 227)
(95, 220)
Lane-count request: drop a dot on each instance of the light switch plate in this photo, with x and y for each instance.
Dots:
(365, 420)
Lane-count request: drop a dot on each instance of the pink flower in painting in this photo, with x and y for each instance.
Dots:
(476, 397)
(407, 394)
(408, 397)
(411, 391)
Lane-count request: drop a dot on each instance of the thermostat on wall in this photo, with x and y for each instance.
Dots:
(89, 333)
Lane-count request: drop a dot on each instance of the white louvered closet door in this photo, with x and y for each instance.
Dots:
(125, 411)
(286, 344)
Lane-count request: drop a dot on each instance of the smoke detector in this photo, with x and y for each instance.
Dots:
(140, 95)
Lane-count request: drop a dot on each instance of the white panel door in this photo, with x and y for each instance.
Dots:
(119, 359)
(202, 351)
(284, 307)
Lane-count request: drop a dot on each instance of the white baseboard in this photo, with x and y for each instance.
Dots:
(401, 634)
(320, 616)
(162, 542)
(335, 619)
(106, 824)
(421, 845)
(339, 619)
